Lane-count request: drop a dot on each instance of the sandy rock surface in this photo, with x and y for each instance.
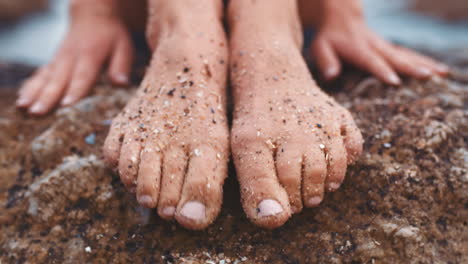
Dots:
(405, 201)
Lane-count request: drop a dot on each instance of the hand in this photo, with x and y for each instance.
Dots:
(343, 34)
(92, 39)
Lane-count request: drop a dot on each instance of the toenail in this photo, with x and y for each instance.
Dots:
(314, 201)
(145, 200)
(269, 207)
(331, 72)
(333, 186)
(168, 211)
(67, 100)
(193, 210)
(37, 108)
(121, 78)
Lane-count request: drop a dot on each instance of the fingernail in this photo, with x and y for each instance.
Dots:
(121, 78)
(269, 207)
(168, 211)
(37, 108)
(145, 200)
(314, 201)
(393, 79)
(333, 186)
(442, 67)
(424, 72)
(67, 100)
(193, 210)
(22, 101)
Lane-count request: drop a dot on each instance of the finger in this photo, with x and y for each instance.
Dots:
(31, 87)
(366, 58)
(327, 60)
(55, 87)
(437, 67)
(121, 62)
(84, 76)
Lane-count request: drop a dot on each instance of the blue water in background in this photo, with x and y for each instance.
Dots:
(35, 39)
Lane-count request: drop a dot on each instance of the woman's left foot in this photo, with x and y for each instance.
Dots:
(290, 141)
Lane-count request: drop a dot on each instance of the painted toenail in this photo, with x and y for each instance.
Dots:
(268, 207)
(145, 200)
(314, 201)
(168, 211)
(37, 108)
(67, 100)
(121, 78)
(333, 186)
(331, 72)
(193, 210)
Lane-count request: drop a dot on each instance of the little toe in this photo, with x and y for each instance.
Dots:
(353, 141)
(264, 200)
(149, 175)
(112, 144)
(129, 160)
(335, 156)
(289, 167)
(202, 192)
(173, 173)
(314, 175)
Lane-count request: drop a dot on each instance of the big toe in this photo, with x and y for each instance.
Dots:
(263, 198)
(202, 191)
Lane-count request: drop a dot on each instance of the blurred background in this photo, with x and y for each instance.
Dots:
(31, 30)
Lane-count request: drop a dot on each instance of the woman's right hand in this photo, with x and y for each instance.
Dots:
(96, 35)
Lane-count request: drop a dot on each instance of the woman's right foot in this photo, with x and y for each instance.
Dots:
(290, 141)
(170, 143)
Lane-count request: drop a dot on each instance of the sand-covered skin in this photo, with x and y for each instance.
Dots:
(403, 201)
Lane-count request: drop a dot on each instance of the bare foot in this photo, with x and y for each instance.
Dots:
(170, 143)
(291, 142)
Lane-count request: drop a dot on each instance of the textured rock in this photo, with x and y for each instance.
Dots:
(405, 201)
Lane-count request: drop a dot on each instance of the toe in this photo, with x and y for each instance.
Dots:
(335, 156)
(288, 167)
(173, 173)
(353, 140)
(129, 160)
(202, 192)
(149, 175)
(264, 200)
(112, 144)
(314, 175)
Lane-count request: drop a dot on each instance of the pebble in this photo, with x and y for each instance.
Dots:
(91, 139)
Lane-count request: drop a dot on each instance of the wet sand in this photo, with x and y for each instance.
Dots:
(404, 201)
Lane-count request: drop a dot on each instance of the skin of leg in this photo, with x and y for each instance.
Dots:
(77, 64)
(170, 143)
(287, 139)
(343, 34)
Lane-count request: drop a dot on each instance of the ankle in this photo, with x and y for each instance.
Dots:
(266, 19)
(187, 18)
